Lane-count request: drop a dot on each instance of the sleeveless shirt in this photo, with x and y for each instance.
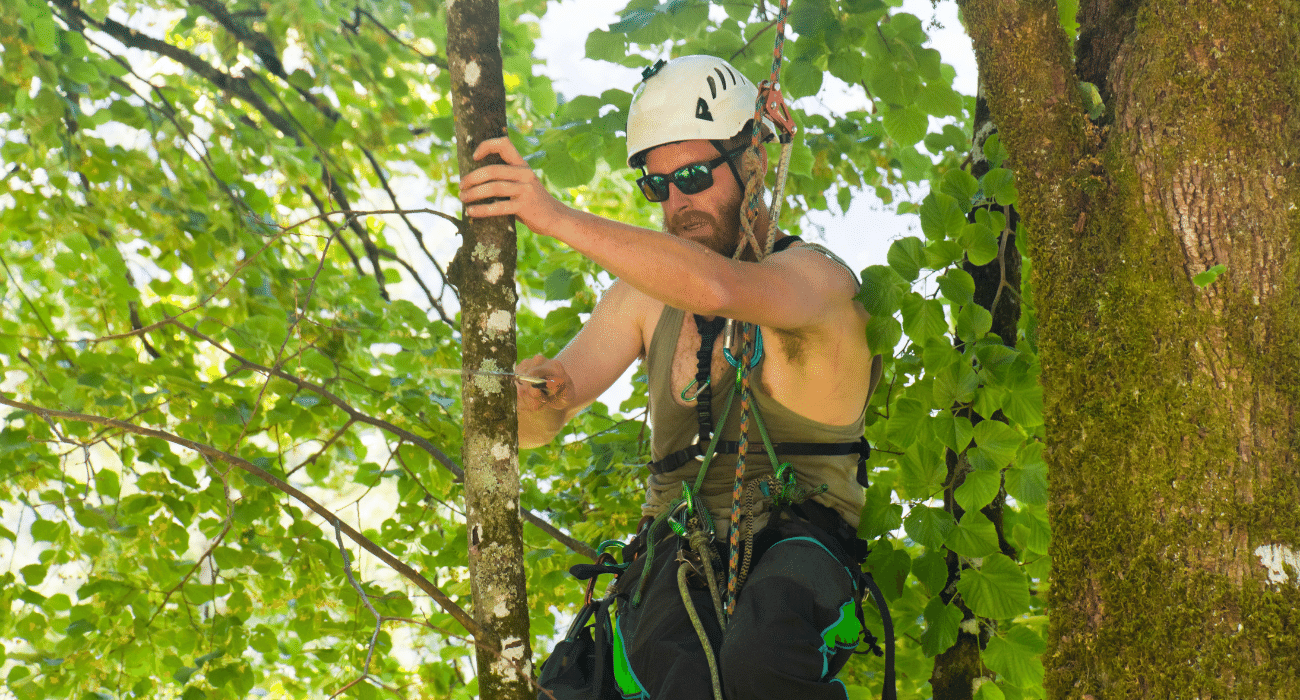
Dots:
(675, 427)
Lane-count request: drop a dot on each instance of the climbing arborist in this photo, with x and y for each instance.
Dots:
(791, 624)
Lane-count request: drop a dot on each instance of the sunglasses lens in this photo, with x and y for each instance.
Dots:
(693, 179)
(654, 187)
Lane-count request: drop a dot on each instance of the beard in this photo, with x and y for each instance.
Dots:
(706, 229)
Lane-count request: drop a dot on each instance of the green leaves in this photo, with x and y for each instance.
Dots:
(942, 623)
(942, 216)
(929, 526)
(1206, 278)
(906, 125)
(997, 589)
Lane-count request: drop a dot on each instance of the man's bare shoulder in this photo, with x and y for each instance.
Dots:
(635, 308)
(819, 260)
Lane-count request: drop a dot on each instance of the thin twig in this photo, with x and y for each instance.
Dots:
(379, 619)
(384, 555)
(751, 40)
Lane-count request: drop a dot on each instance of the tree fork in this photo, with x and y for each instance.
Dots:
(486, 273)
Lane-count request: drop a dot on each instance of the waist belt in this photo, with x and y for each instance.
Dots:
(861, 448)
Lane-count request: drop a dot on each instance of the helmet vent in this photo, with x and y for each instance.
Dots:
(713, 87)
(724, 78)
(702, 110)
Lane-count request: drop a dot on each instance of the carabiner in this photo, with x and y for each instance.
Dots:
(697, 393)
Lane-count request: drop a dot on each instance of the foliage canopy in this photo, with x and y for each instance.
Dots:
(229, 222)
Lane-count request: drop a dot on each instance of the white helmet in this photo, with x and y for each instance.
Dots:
(692, 97)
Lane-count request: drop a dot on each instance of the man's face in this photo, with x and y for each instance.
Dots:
(711, 217)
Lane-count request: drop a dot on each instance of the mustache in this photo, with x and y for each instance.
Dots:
(679, 222)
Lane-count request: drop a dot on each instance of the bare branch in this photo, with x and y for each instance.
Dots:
(564, 538)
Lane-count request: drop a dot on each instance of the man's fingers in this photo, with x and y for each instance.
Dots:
(501, 146)
(493, 173)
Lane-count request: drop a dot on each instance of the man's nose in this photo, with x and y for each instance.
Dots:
(676, 199)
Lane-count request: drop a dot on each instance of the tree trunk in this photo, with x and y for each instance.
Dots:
(485, 272)
(1171, 402)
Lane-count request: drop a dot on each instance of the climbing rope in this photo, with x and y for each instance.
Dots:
(770, 103)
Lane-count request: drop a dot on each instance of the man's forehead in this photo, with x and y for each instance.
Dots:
(671, 156)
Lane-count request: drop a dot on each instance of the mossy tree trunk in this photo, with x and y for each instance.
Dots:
(485, 273)
(1171, 408)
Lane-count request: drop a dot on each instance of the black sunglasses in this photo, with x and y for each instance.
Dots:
(690, 179)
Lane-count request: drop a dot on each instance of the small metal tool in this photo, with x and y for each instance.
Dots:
(530, 380)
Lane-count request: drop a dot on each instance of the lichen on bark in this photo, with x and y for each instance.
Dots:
(486, 283)
(1171, 409)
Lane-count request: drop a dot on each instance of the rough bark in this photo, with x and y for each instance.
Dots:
(485, 272)
(1171, 408)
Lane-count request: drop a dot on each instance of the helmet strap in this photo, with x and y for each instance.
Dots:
(722, 151)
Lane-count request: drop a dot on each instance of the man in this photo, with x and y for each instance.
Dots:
(788, 636)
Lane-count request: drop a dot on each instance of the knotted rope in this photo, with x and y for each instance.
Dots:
(769, 102)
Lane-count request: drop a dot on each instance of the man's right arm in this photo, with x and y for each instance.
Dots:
(597, 356)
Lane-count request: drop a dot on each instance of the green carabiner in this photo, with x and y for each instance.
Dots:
(696, 395)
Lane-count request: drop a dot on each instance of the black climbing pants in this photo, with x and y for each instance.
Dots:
(794, 627)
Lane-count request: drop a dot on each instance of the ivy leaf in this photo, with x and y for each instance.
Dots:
(931, 569)
(906, 125)
(973, 537)
(939, 100)
(883, 334)
(889, 567)
(973, 322)
(802, 78)
(929, 526)
(558, 285)
(1000, 186)
(961, 186)
(997, 589)
(922, 318)
(942, 625)
(893, 85)
(941, 216)
(906, 257)
(957, 286)
(941, 254)
(1027, 479)
(953, 431)
(998, 443)
(978, 489)
(994, 152)
(923, 470)
(879, 514)
(879, 292)
(980, 242)
(989, 690)
(955, 384)
(1016, 656)
(907, 422)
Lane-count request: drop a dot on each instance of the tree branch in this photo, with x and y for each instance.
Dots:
(564, 538)
(424, 584)
(326, 394)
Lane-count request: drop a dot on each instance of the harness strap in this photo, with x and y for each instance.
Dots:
(890, 690)
(862, 448)
(709, 331)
